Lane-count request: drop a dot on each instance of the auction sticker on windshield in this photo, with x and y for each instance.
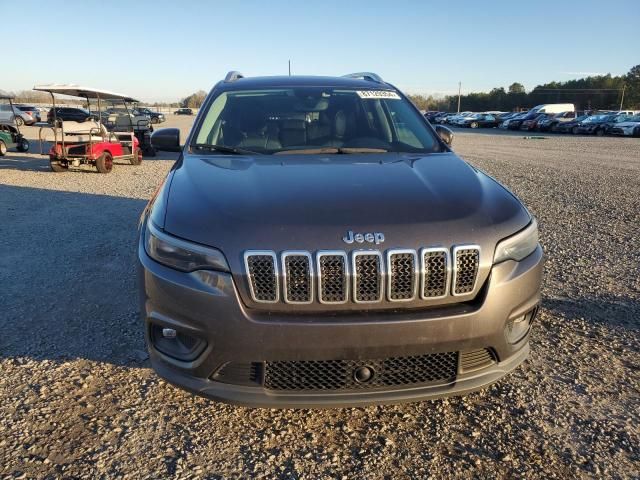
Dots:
(373, 94)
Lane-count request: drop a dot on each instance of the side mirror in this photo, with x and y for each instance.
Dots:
(445, 134)
(166, 140)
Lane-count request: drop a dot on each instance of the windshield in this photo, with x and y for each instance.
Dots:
(278, 120)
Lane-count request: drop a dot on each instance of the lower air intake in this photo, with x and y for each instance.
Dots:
(332, 375)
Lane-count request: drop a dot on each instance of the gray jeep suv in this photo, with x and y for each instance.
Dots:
(317, 243)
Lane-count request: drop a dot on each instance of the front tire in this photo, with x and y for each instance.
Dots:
(600, 132)
(57, 166)
(474, 125)
(19, 121)
(574, 130)
(104, 163)
(23, 145)
(3, 148)
(136, 159)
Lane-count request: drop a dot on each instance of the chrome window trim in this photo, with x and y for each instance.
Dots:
(423, 273)
(416, 274)
(455, 250)
(354, 274)
(327, 253)
(296, 253)
(272, 254)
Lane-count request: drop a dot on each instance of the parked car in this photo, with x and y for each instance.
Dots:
(458, 119)
(30, 110)
(183, 111)
(594, 125)
(569, 126)
(515, 122)
(530, 124)
(478, 120)
(240, 290)
(154, 117)
(630, 127)
(617, 119)
(74, 114)
(9, 114)
(550, 123)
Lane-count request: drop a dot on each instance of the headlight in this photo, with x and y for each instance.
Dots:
(180, 254)
(518, 246)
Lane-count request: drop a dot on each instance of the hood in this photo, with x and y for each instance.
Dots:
(309, 202)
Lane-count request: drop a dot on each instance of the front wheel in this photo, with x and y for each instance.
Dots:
(600, 132)
(19, 121)
(23, 145)
(57, 166)
(155, 120)
(3, 148)
(136, 158)
(104, 163)
(574, 130)
(474, 125)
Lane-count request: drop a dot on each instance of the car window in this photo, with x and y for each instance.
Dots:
(307, 118)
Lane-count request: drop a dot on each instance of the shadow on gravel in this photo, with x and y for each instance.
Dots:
(33, 163)
(603, 310)
(67, 276)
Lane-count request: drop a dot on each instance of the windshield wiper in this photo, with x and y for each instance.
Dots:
(224, 149)
(330, 151)
(361, 150)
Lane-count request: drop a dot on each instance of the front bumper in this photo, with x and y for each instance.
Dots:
(206, 305)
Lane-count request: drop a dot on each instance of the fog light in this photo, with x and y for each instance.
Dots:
(516, 329)
(176, 344)
(168, 333)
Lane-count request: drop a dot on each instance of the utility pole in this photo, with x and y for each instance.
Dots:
(289, 67)
(459, 92)
(622, 99)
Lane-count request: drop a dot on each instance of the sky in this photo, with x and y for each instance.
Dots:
(165, 50)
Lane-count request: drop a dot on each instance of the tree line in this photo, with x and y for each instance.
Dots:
(590, 93)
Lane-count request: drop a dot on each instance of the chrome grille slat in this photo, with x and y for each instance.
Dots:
(297, 274)
(368, 279)
(262, 270)
(465, 270)
(402, 279)
(436, 271)
(333, 284)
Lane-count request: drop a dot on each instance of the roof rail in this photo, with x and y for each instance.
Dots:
(373, 77)
(232, 76)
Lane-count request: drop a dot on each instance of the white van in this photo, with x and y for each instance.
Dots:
(554, 108)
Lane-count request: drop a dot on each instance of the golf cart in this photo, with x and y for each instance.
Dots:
(10, 136)
(88, 142)
(128, 118)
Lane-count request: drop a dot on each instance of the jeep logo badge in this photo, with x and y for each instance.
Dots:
(375, 237)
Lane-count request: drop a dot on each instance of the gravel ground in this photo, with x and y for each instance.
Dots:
(77, 397)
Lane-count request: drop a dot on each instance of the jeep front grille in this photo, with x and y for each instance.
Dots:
(465, 270)
(367, 277)
(364, 277)
(298, 277)
(332, 277)
(327, 375)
